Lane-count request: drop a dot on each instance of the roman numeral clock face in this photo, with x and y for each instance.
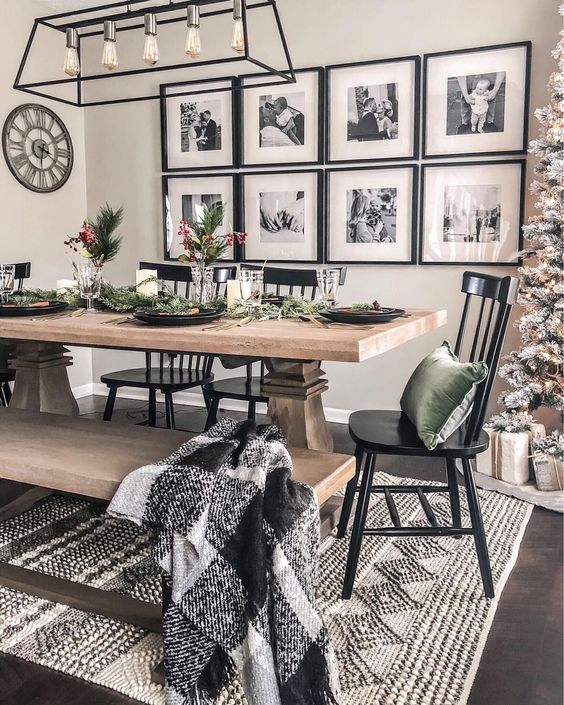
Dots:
(37, 148)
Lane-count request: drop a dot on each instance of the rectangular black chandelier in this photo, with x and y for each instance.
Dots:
(117, 23)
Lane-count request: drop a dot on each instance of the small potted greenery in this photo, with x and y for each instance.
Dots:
(97, 240)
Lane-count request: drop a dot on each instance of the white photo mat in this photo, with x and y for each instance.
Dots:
(291, 247)
(504, 179)
(176, 187)
(511, 60)
(339, 184)
(220, 105)
(307, 89)
(404, 73)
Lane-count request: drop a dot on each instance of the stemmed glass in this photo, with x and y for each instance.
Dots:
(7, 276)
(328, 285)
(89, 278)
(252, 282)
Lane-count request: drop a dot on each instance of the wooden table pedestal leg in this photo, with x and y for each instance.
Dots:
(294, 390)
(42, 383)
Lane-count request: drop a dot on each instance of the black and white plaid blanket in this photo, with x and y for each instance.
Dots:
(238, 541)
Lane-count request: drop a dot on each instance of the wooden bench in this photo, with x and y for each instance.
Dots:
(90, 458)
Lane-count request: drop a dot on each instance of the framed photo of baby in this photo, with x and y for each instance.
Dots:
(282, 124)
(372, 215)
(476, 101)
(371, 110)
(197, 122)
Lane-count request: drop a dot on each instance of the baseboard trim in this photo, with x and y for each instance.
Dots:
(334, 415)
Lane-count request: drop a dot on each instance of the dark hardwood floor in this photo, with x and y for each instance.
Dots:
(522, 661)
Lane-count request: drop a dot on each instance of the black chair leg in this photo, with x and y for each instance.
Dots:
(478, 527)
(7, 392)
(207, 400)
(169, 408)
(212, 414)
(110, 401)
(349, 495)
(3, 401)
(152, 407)
(252, 410)
(453, 493)
(358, 526)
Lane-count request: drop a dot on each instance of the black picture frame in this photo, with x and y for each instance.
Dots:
(235, 98)
(527, 45)
(414, 214)
(320, 125)
(320, 215)
(522, 190)
(235, 177)
(416, 59)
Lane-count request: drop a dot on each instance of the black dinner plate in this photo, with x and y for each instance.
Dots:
(351, 315)
(26, 310)
(158, 318)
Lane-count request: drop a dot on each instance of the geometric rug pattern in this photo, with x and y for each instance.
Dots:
(412, 634)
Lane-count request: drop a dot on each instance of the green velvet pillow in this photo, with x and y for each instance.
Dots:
(439, 394)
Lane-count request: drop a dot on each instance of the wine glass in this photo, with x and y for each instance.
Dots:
(251, 287)
(89, 278)
(328, 285)
(7, 276)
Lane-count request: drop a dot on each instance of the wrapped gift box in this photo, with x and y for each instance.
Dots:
(549, 472)
(509, 456)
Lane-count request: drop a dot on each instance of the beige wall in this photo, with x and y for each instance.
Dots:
(33, 226)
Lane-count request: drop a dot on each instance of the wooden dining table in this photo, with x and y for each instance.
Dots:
(292, 350)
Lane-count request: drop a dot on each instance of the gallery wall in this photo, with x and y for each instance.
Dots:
(123, 156)
(34, 225)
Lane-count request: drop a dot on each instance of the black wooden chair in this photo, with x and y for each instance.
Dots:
(22, 272)
(278, 281)
(173, 372)
(391, 433)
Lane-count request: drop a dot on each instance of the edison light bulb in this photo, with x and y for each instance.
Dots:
(238, 41)
(109, 55)
(193, 44)
(71, 65)
(151, 50)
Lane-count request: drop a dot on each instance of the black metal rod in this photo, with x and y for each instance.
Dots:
(26, 53)
(271, 70)
(429, 513)
(283, 39)
(417, 531)
(50, 97)
(406, 489)
(392, 508)
(125, 3)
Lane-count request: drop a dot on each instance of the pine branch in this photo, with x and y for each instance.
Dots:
(104, 225)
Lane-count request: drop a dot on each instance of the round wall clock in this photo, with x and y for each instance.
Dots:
(37, 148)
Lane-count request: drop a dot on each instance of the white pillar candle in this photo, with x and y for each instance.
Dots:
(233, 292)
(146, 282)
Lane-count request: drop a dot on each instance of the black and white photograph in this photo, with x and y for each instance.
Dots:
(476, 101)
(283, 124)
(282, 120)
(373, 113)
(197, 127)
(186, 197)
(472, 213)
(371, 214)
(372, 110)
(200, 126)
(283, 214)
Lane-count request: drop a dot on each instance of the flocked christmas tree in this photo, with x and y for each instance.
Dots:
(535, 371)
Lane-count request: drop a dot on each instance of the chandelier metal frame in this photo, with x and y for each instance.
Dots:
(125, 10)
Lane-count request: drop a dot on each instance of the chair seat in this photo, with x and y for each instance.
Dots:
(167, 379)
(392, 433)
(237, 388)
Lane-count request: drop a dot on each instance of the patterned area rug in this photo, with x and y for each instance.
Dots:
(412, 633)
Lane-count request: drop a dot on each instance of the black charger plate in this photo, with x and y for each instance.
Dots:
(54, 307)
(351, 315)
(157, 318)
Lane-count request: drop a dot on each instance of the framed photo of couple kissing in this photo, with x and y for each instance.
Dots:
(373, 110)
(476, 101)
(472, 213)
(372, 215)
(282, 124)
(198, 120)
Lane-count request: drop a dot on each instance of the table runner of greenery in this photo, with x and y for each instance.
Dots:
(125, 299)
